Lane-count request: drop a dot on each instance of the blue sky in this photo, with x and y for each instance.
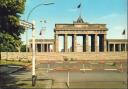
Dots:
(110, 12)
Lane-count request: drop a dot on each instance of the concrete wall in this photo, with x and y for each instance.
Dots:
(61, 56)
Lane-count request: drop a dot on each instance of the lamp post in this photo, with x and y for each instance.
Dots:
(31, 26)
(29, 14)
(33, 55)
(37, 7)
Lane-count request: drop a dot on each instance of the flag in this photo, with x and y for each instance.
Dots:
(123, 33)
(79, 5)
(41, 32)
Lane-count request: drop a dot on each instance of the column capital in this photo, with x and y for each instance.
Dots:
(87, 42)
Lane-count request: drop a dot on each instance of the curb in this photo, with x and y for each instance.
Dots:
(19, 69)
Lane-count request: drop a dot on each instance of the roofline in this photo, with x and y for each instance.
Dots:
(77, 23)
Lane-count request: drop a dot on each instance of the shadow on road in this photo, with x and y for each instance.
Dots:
(7, 81)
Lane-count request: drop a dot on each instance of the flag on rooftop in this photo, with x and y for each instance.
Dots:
(41, 32)
(79, 5)
(123, 33)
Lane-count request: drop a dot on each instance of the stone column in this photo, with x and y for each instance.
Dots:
(65, 43)
(105, 46)
(74, 42)
(96, 44)
(47, 48)
(119, 47)
(114, 48)
(87, 43)
(41, 48)
(56, 43)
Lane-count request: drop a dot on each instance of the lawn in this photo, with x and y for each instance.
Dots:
(14, 62)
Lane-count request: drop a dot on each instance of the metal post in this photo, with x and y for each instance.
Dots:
(48, 67)
(19, 53)
(33, 54)
(68, 79)
(84, 67)
(26, 43)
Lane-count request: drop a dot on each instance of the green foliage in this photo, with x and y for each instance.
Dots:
(8, 43)
(23, 48)
(10, 29)
(14, 62)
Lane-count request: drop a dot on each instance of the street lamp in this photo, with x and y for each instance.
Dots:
(27, 21)
(37, 7)
(31, 26)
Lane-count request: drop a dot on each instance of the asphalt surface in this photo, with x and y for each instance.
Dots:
(59, 72)
(55, 75)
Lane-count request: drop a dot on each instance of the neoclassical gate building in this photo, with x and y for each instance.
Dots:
(96, 32)
(84, 29)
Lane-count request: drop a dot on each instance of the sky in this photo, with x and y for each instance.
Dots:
(110, 12)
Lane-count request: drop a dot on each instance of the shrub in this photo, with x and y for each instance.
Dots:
(65, 59)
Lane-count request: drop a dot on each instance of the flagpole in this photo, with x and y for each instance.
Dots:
(42, 31)
(126, 34)
(80, 8)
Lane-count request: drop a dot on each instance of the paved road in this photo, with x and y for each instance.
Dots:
(81, 76)
(87, 76)
(58, 79)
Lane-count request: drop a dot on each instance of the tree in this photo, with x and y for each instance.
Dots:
(10, 29)
(23, 48)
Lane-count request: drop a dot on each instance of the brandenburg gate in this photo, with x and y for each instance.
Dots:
(97, 33)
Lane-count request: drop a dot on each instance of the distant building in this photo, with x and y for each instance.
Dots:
(97, 33)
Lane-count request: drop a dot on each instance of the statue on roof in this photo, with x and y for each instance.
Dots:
(80, 20)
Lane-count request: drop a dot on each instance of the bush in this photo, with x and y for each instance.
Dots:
(65, 59)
